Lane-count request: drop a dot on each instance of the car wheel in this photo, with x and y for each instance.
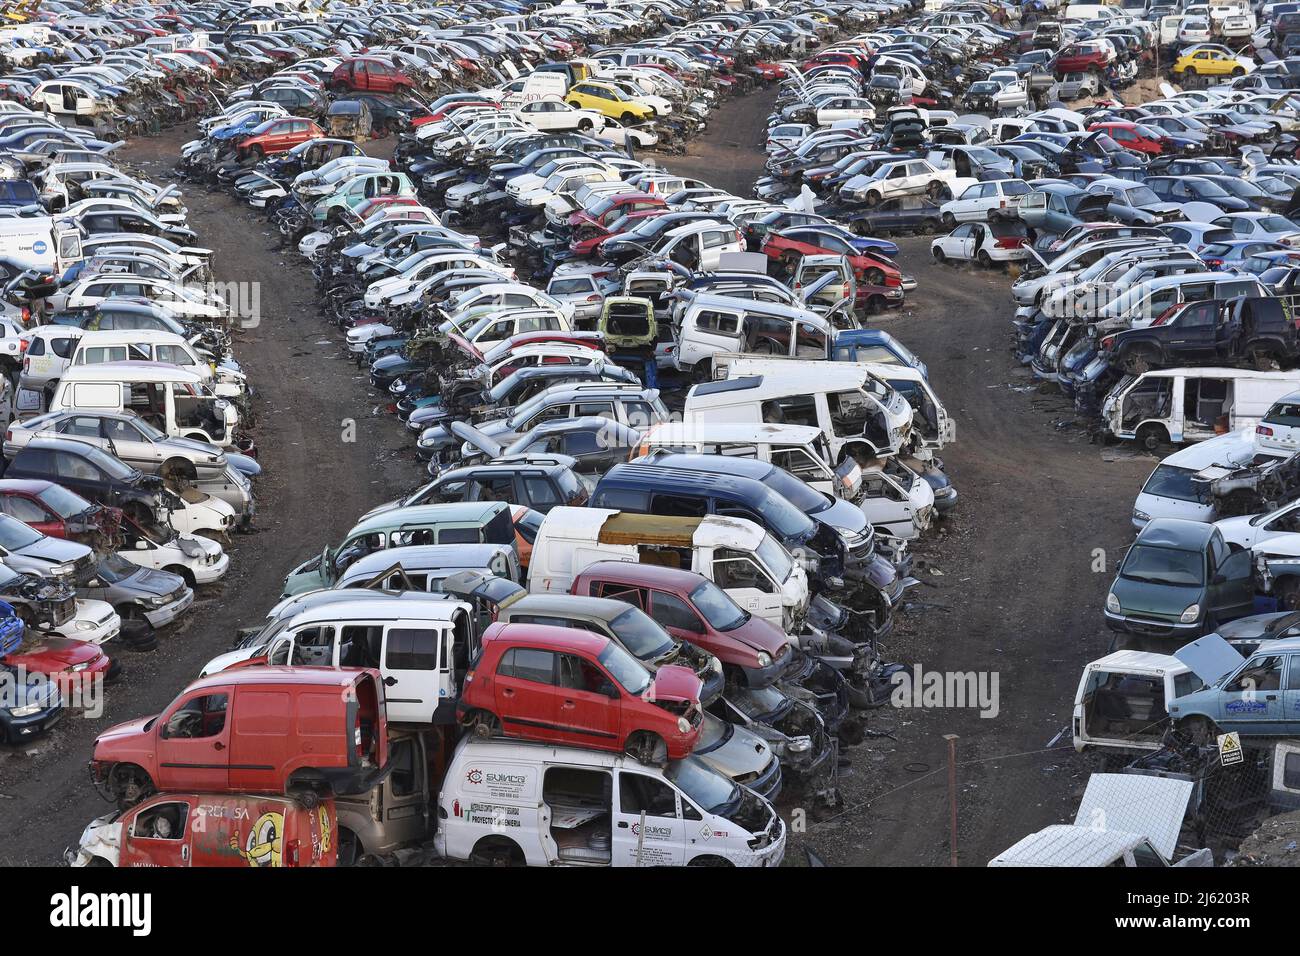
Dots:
(584, 125)
(949, 221)
(982, 258)
(483, 724)
(1151, 437)
(627, 119)
(873, 199)
(1287, 590)
(647, 748)
(938, 254)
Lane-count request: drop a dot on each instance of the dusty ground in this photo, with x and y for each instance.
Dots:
(1010, 588)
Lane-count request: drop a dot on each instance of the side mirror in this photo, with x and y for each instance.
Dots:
(142, 545)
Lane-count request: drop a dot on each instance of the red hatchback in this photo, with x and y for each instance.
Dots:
(278, 136)
(1134, 138)
(567, 686)
(789, 246)
(372, 75)
(55, 511)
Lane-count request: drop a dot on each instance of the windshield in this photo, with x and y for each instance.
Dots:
(795, 491)
(1141, 196)
(113, 467)
(775, 558)
(63, 502)
(643, 638)
(113, 568)
(722, 613)
(708, 789)
(1170, 481)
(1157, 565)
(14, 535)
(625, 669)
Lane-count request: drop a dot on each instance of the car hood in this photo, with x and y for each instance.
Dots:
(743, 754)
(132, 728)
(676, 683)
(1210, 658)
(55, 550)
(1160, 600)
(46, 655)
(149, 583)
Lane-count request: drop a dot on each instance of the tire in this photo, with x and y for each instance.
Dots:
(129, 784)
(710, 861)
(1238, 71)
(483, 724)
(1287, 590)
(949, 221)
(1202, 730)
(1151, 437)
(497, 851)
(584, 125)
(874, 276)
(983, 260)
(873, 199)
(647, 748)
(627, 118)
(306, 797)
(939, 257)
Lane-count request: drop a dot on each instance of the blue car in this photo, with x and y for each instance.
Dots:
(1233, 254)
(1250, 696)
(873, 345)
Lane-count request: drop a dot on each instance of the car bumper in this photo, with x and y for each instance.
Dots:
(1125, 624)
(211, 573)
(162, 616)
(27, 728)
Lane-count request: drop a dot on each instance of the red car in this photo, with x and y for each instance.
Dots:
(591, 226)
(871, 268)
(372, 75)
(568, 686)
(54, 510)
(278, 136)
(832, 58)
(1081, 58)
(1134, 138)
(65, 661)
(690, 607)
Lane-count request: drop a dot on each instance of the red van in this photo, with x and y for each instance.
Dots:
(568, 686)
(307, 732)
(214, 829)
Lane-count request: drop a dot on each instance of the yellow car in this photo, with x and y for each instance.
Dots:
(1209, 63)
(608, 99)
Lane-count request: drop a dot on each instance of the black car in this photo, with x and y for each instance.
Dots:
(539, 481)
(1212, 332)
(145, 599)
(92, 473)
(906, 214)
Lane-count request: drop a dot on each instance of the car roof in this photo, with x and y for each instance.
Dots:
(560, 638)
(300, 676)
(1175, 533)
(418, 515)
(651, 575)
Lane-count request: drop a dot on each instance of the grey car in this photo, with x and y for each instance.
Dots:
(136, 442)
(145, 599)
(26, 550)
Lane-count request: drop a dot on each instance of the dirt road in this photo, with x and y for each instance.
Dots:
(1013, 590)
(315, 485)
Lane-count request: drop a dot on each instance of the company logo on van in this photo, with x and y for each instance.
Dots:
(651, 832)
(39, 247)
(474, 776)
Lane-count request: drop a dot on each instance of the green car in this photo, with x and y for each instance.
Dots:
(1179, 579)
(470, 522)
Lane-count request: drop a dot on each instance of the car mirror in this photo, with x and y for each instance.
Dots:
(141, 545)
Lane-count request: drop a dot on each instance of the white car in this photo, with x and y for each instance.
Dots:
(981, 200)
(839, 108)
(616, 134)
(197, 513)
(197, 560)
(557, 114)
(906, 177)
(582, 291)
(984, 243)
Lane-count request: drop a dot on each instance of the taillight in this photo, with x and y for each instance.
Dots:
(291, 853)
(26, 315)
(593, 298)
(1010, 242)
(1264, 430)
(356, 739)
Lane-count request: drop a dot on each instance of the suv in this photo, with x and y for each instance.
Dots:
(1215, 332)
(569, 686)
(538, 481)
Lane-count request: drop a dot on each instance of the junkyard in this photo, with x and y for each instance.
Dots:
(649, 432)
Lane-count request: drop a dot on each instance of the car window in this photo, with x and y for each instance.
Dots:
(412, 649)
(199, 717)
(639, 794)
(75, 467)
(528, 663)
(671, 611)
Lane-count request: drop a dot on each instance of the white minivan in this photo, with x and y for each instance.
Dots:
(1191, 404)
(514, 802)
(1171, 490)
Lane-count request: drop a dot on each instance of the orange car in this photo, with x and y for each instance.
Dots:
(277, 136)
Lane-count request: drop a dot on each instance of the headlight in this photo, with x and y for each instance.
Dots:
(1140, 515)
(1190, 615)
(717, 666)
(158, 601)
(683, 725)
(764, 659)
(61, 569)
(84, 626)
(78, 668)
(1112, 603)
(26, 711)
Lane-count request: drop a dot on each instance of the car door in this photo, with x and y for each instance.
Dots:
(411, 667)
(748, 584)
(123, 439)
(590, 704)
(524, 692)
(193, 739)
(648, 828)
(74, 472)
(1291, 695)
(159, 833)
(675, 616)
(1232, 585)
(1251, 700)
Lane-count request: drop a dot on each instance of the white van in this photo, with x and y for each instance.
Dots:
(1122, 702)
(895, 499)
(1170, 492)
(510, 802)
(1191, 404)
(858, 413)
(736, 554)
(155, 345)
(931, 425)
(175, 401)
(421, 647)
(724, 325)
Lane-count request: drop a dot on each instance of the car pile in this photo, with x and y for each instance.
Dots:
(673, 474)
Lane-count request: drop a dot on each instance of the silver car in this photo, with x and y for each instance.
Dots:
(136, 442)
